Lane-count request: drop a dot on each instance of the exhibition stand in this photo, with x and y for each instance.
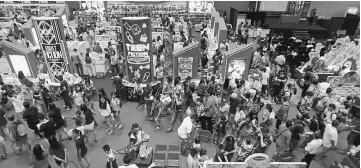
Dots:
(137, 41)
(20, 59)
(186, 62)
(237, 62)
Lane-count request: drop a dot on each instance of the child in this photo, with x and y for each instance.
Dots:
(245, 150)
(220, 128)
(268, 115)
(116, 104)
(17, 101)
(78, 96)
(203, 156)
(197, 144)
(111, 160)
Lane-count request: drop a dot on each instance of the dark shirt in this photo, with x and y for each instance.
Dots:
(48, 128)
(55, 114)
(3, 120)
(88, 117)
(60, 153)
(233, 103)
(204, 61)
(31, 115)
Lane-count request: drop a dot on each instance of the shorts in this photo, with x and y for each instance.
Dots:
(90, 126)
(25, 141)
(2, 141)
(115, 113)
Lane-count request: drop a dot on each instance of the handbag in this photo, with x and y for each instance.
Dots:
(275, 138)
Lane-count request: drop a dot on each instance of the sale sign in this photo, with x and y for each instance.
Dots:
(185, 67)
(137, 40)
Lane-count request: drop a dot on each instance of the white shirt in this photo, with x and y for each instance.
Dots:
(265, 77)
(128, 166)
(239, 116)
(105, 112)
(110, 155)
(330, 134)
(330, 115)
(185, 128)
(313, 146)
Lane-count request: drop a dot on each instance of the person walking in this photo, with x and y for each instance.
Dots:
(311, 148)
(30, 115)
(282, 113)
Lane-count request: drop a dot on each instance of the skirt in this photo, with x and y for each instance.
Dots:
(90, 126)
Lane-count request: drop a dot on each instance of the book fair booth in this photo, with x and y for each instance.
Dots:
(237, 62)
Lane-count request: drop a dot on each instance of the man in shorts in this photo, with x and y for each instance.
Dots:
(18, 134)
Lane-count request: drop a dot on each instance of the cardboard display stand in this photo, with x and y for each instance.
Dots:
(137, 41)
(237, 62)
(50, 33)
(20, 58)
(186, 61)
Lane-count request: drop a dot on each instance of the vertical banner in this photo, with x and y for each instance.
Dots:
(137, 40)
(52, 45)
(185, 65)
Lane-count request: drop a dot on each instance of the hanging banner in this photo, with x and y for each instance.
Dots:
(50, 38)
(137, 42)
(185, 67)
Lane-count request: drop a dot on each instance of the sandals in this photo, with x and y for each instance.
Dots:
(3, 157)
(169, 130)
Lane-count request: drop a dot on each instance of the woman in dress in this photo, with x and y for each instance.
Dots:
(81, 149)
(40, 157)
(78, 96)
(55, 114)
(89, 121)
(106, 112)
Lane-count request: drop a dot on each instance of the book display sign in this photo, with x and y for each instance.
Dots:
(137, 42)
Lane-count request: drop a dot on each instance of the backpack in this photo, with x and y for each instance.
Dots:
(21, 130)
(88, 60)
(280, 115)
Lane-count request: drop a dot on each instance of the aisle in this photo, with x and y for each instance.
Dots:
(120, 138)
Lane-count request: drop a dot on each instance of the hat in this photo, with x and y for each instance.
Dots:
(75, 49)
(233, 95)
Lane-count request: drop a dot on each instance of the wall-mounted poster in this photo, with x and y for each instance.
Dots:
(185, 67)
(20, 64)
(137, 48)
(236, 68)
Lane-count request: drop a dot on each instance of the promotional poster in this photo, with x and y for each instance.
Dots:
(137, 48)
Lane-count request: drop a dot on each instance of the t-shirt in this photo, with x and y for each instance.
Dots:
(285, 135)
(60, 153)
(330, 134)
(31, 115)
(185, 128)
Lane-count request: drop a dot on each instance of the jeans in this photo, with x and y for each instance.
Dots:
(91, 69)
(79, 68)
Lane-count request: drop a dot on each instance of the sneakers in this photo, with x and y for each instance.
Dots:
(120, 126)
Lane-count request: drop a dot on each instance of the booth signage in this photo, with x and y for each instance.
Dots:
(137, 48)
(52, 45)
(185, 67)
(236, 68)
(52, 52)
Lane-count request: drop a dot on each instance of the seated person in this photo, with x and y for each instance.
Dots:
(136, 139)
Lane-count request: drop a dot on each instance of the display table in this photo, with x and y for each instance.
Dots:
(144, 163)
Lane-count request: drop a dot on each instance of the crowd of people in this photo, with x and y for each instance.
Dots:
(232, 111)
